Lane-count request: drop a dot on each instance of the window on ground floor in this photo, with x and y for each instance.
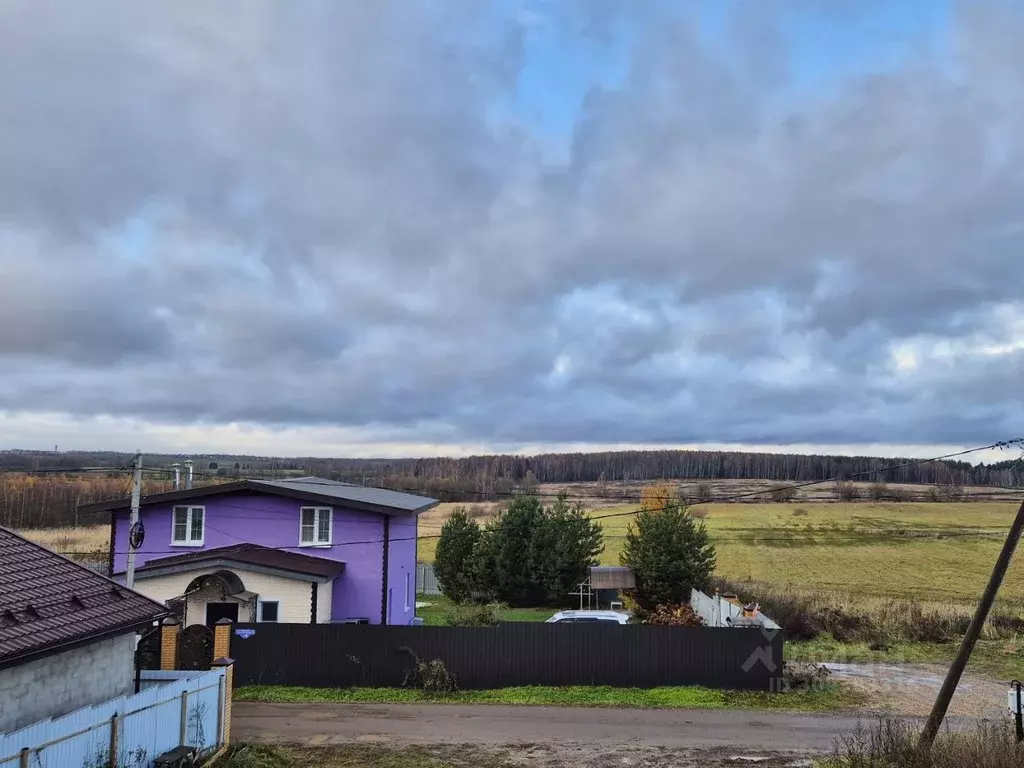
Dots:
(268, 610)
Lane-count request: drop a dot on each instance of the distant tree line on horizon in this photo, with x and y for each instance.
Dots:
(49, 500)
(492, 477)
(623, 467)
(610, 467)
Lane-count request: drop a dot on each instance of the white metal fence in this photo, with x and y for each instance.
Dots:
(426, 581)
(718, 612)
(171, 709)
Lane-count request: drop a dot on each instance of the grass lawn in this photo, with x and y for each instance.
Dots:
(433, 615)
(859, 548)
(827, 698)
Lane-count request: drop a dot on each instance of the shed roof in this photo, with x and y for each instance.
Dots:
(612, 577)
(48, 603)
(313, 489)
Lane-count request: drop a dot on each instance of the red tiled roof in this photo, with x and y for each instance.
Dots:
(48, 601)
(253, 554)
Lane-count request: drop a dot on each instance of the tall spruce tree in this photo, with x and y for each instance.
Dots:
(454, 559)
(670, 553)
(532, 555)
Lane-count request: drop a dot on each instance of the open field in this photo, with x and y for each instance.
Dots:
(931, 552)
(88, 543)
(935, 553)
(599, 494)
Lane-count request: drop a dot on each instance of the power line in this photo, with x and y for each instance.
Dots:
(796, 539)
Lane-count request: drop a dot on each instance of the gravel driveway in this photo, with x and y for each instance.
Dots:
(910, 689)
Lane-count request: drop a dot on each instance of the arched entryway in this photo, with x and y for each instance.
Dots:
(214, 596)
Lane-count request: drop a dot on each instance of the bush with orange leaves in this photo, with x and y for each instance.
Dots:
(673, 616)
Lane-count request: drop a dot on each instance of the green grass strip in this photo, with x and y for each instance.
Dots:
(825, 698)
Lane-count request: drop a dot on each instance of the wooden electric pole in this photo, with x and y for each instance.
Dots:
(956, 670)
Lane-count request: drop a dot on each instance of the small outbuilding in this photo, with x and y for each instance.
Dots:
(607, 583)
(67, 634)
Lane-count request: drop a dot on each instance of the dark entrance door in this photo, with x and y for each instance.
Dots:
(217, 611)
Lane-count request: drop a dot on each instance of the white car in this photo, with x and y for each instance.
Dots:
(589, 617)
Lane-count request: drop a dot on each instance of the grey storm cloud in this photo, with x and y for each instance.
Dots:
(308, 213)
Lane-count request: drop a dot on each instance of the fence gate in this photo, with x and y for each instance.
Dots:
(195, 647)
(147, 654)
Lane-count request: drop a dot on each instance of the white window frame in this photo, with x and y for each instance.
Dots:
(188, 542)
(317, 512)
(259, 610)
(406, 591)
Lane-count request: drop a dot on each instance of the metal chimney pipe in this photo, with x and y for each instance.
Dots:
(188, 475)
(177, 475)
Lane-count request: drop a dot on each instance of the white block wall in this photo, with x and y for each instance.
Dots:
(324, 593)
(294, 596)
(58, 684)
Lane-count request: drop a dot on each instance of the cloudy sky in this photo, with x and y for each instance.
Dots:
(441, 226)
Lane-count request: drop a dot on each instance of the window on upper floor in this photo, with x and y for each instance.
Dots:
(188, 526)
(315, 526)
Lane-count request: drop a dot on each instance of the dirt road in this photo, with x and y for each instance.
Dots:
(738, 732)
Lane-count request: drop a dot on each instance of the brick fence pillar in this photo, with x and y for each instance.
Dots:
(169, 631)
(229, 681)
(222, 639)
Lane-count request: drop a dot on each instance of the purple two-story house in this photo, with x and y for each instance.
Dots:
(304, 550)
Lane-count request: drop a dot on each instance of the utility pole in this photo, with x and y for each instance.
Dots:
(129, 579)
(956, 670)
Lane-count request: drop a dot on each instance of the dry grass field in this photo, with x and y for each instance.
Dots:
(88, 543)
(615, 493)
(935, 553)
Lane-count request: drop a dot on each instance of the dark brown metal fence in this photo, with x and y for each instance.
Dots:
(512, 654)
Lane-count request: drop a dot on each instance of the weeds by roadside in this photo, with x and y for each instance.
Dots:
(432, 677)
(256, 756)
(879, 623)
(892, 743)
(360, 756)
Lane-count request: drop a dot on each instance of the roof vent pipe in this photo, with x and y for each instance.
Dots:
(188, 475)
(177, 475)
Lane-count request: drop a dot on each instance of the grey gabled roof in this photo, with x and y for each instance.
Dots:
(346, 492)
(313, 489)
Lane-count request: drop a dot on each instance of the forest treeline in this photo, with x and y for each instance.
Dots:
(494, 475)
(48, 500)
